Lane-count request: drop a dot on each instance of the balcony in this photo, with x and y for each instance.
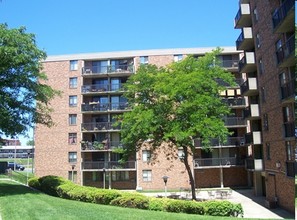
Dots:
(254, 138)
(214, 142)
(288, 91)
(114, 70)
(247, 63)
(249, 87)
(87, 146)
(254, 164)
(229, 64)
(243, 17)
(234, 122)
(283, 17)
(285, 54)
(289, 129)
(93, 89)
(235, 102)
(217, 162)
(94, 107)
(245, 41)
(113, 165)
(99, 126)
(252, 112)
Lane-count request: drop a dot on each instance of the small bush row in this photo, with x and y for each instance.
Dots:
(57, 186)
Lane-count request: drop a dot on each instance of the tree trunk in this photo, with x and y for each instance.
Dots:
(188, 168)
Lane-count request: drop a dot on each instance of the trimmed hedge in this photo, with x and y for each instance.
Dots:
(137, 201)
(57, 186)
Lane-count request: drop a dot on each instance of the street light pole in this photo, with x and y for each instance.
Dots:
(103, 178)
(28, 167)
(165, 179)
(72, 176)
(14, 165)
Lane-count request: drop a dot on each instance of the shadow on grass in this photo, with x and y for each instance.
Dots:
(9, 188)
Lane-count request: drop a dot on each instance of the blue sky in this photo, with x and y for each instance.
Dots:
(85, 26)
(82, 26)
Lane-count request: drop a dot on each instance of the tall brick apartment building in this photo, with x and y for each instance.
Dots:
(267, 39)
(83, 144)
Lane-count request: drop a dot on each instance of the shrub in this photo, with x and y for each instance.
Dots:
(81, 193)
(190, 207)
(49, 184)
(133, 200)
(157, 204)
(63, 190)
(105, 196)
(34, 183)
(223, 208)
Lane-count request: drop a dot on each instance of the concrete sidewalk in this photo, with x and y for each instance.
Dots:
(253, 206)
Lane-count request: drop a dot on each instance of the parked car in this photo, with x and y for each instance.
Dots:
(10, 165)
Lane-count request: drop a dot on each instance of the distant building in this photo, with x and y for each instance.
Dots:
(10, 142)
(16, 151)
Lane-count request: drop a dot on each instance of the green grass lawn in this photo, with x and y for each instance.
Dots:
(19, 202)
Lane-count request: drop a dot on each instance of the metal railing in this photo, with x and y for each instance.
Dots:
(100, 145)
(234, 102)
(107, 69)
(234, 121)
(229, 63)
(289, 129)
(214, 142)
(97, 165)
(286, 50)
(95, 126)
(95, 106)
(288, 90)
(213, 162)
(281, 13)
(102, 88)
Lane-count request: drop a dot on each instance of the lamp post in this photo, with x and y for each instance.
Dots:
(72, 172)
(165, 179)
(104, 178)
(28, 166)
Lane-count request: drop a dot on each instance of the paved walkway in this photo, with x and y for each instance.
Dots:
(253, 206)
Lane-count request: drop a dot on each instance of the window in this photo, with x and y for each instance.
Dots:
(72, 176)
(72, 157)
(73, 65)
(258, 40)
(146, 155)
(73, 82)
(289, 149)
(72, 119)
(73, 100)
(265, 122)
(72, 138)
(268, 151)
(144, 60)
(261, 66)
(147, 175)
(178, 57)
(120, 176)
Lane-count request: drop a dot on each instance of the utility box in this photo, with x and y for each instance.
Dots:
(3, 167)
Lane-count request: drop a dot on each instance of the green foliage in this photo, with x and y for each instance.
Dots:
(57, 186)
(223, 208)
(190, 207)
(30, 143)
(49, 184)
(24, 98)
(34, 183)
(131, 201)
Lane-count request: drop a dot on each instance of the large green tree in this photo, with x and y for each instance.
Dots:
(24, 98)
(176, 104)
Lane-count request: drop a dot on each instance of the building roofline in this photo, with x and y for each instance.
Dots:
(134, 53)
